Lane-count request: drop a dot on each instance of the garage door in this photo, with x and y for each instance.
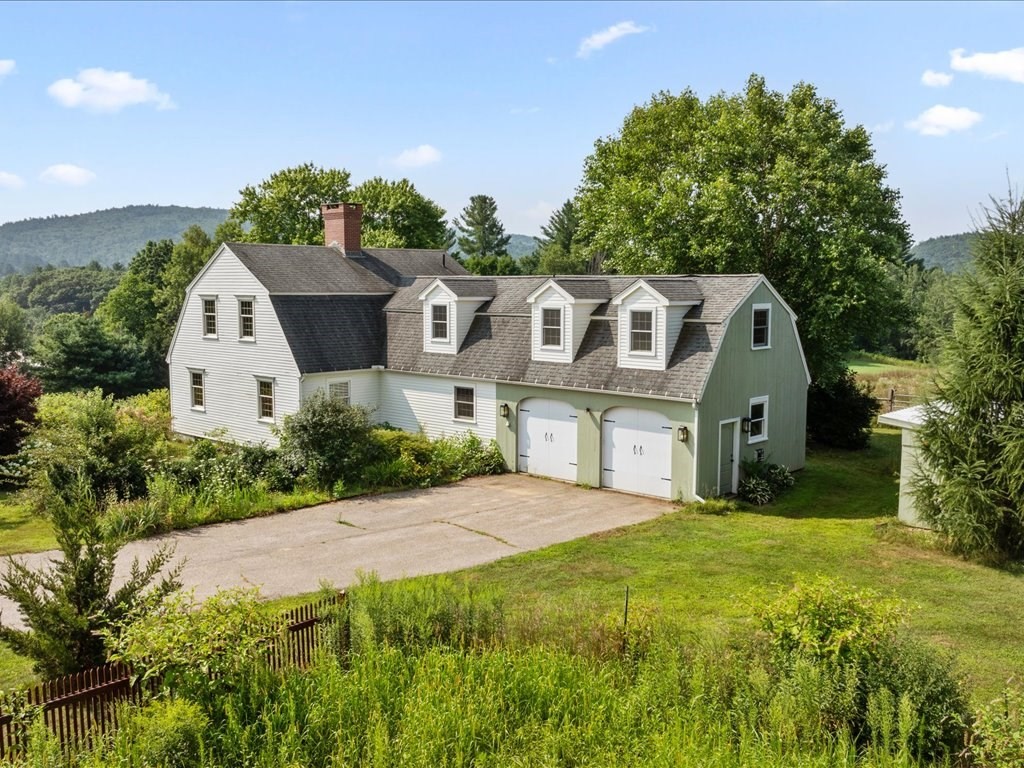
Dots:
(636, 452)
(547, 438)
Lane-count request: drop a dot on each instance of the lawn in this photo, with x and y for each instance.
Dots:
(881, 373)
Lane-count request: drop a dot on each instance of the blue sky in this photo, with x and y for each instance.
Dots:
(107, 105)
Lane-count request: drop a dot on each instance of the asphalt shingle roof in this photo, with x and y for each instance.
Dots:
(307, 269)
(333, 333)
(400, 265)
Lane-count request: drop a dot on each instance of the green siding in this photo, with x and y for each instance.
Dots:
(741, 373)
(588, 458)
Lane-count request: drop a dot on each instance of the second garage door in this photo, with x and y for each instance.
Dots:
(547, 438)
(636, 452)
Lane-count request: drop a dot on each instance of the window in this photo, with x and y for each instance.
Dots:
(761, 337)
(465, 403)
(198, 390)
(758, 421)
(338, 390)
(265, 388)
(641, 331)
(551, 327)
(210, 317)
(439, 322)
(246, 319)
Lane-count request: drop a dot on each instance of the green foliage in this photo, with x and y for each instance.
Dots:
(559, 252)
(329, 439)
(396, 215)
(48, 290)
(482, 236)
(18, 395)
(972, 441)
(840, 412)
(67, 604)
(755, 490)
(166, 733)
(950, 253)
(763, 481)
(75, 352)
(189, 255)
(14, 333)
(998, 732)
(753, 182)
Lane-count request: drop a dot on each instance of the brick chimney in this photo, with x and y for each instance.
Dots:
(343, 227)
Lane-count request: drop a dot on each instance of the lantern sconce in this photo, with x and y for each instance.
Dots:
(745, 425)
(504, 410)
(683, 434)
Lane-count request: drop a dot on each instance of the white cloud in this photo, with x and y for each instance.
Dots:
(540, 212)
(1002, 65)
(417, 157)
(10, 181)
(101, 90)
(70, 175)
(599, 40)
(524, 110)
(885, 127)
(941, 120)
(6, 67)
(934, 79)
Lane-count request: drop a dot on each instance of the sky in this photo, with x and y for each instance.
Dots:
(114, 104)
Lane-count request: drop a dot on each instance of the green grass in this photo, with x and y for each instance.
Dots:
(21, 530)
(882, 373)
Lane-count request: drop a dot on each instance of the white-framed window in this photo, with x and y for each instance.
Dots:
(439, 322)
(465, 404)
(339, 390)
(758, 420)
(551, 327)
(761, 327)
(209, 317)
(246, 318)
(265, 399)
(641, 331)
(197, 383)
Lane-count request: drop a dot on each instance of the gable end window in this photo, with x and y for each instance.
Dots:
(265, 395)
(439, 322)
(465, 403)
(551, 328)
(210, 318)
(246, 319)
(761, 333)
(641, 330)
(758, 420)
(198, 386)
(339, 390)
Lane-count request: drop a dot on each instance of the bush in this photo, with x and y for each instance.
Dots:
(330, 440)
(167, 733)
(763, 481)
(840, 413)
(998, 732)
(18, 396)
(755, 490)
(215, 469)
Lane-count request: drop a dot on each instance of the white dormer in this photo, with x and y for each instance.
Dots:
(559, 321)
(649, 321)
(448, 311)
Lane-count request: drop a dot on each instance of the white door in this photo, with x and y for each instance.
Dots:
(547, 438)
(636, 452)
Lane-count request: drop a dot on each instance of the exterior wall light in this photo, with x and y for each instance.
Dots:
(504, 410)
(745, 425)
(683, 434)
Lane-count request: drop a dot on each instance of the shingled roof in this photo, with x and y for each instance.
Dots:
(332, 333)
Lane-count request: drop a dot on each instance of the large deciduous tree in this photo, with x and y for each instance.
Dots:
(972, 440)
(396, 215)
(14, 335)
(758, 181)
(482, 239)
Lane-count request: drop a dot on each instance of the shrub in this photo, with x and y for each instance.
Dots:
(166, 733)
(465, 455)
(216, 469)
(998, 733)
(755, 490)
(330, 440)
(763, 482)
(840, 413)
(18, 396)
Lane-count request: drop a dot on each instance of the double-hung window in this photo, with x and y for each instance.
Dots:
(551, 328)
(439, 322)
(265, 398)
(761, 330)
(210, 318)
(641, 331)
(198, 385)
(339, 390)
(465, 403)
(246, 319)
(758, 420)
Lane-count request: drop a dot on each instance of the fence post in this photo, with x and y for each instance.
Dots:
(892, 399)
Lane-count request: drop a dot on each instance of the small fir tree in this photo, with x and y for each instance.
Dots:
(481, 234)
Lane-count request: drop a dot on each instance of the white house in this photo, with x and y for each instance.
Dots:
(659, 385)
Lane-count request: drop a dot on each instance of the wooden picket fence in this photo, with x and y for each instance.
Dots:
(81, 707)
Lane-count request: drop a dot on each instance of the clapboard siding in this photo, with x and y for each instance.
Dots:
(642, 300)
(551, 299)
(414, 403)
(231, 366)
(364, 386)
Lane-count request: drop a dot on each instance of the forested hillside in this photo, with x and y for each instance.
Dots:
(107, 237)
(521, 245)
(950, 252)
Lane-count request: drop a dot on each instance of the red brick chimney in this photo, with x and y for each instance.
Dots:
(343, 227)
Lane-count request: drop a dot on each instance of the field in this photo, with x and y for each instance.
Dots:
(909, 378)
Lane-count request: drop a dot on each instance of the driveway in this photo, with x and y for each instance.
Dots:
(397, 534)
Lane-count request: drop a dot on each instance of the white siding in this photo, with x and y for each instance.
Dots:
(427, 403)
(580, 322)
(231, 366)
(551, 299)
(364, 386)
(449, 346)
(673, 327)
(641, 300)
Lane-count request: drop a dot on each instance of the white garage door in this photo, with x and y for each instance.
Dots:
(547, 438)
(636, 452)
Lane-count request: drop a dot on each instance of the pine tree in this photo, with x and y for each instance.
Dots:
(481, 234)
(556, 254)
(972, 441)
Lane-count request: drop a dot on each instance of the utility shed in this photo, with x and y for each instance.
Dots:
(909, 421)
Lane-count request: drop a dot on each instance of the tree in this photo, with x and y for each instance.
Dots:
(69, 603)
(480, 233)
(77, 352)
(188, 256)
(285, 208)
(18, 395)
(556, 254)
(396, 215)
(972, 439)
(14, 336)
(492, 265)
(753, 182)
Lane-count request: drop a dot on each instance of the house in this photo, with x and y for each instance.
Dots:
(908, 420)
(657, 385)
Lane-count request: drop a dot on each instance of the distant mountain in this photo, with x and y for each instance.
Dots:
(950, 252)
(108, 237)
(521, 245)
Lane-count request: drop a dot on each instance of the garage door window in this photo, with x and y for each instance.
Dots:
(465, 403)
(758, 420)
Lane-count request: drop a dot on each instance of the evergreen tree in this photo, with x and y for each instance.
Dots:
(556, 255)
(972, 442)
(481, 234)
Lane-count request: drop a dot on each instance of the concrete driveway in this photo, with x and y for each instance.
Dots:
(398, 534)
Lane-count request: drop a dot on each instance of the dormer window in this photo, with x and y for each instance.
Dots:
(641, 331)
(439, 322)
(761, 331)
(551, 328)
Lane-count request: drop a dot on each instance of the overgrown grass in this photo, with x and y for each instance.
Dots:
(882, 373)
(20, 529)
